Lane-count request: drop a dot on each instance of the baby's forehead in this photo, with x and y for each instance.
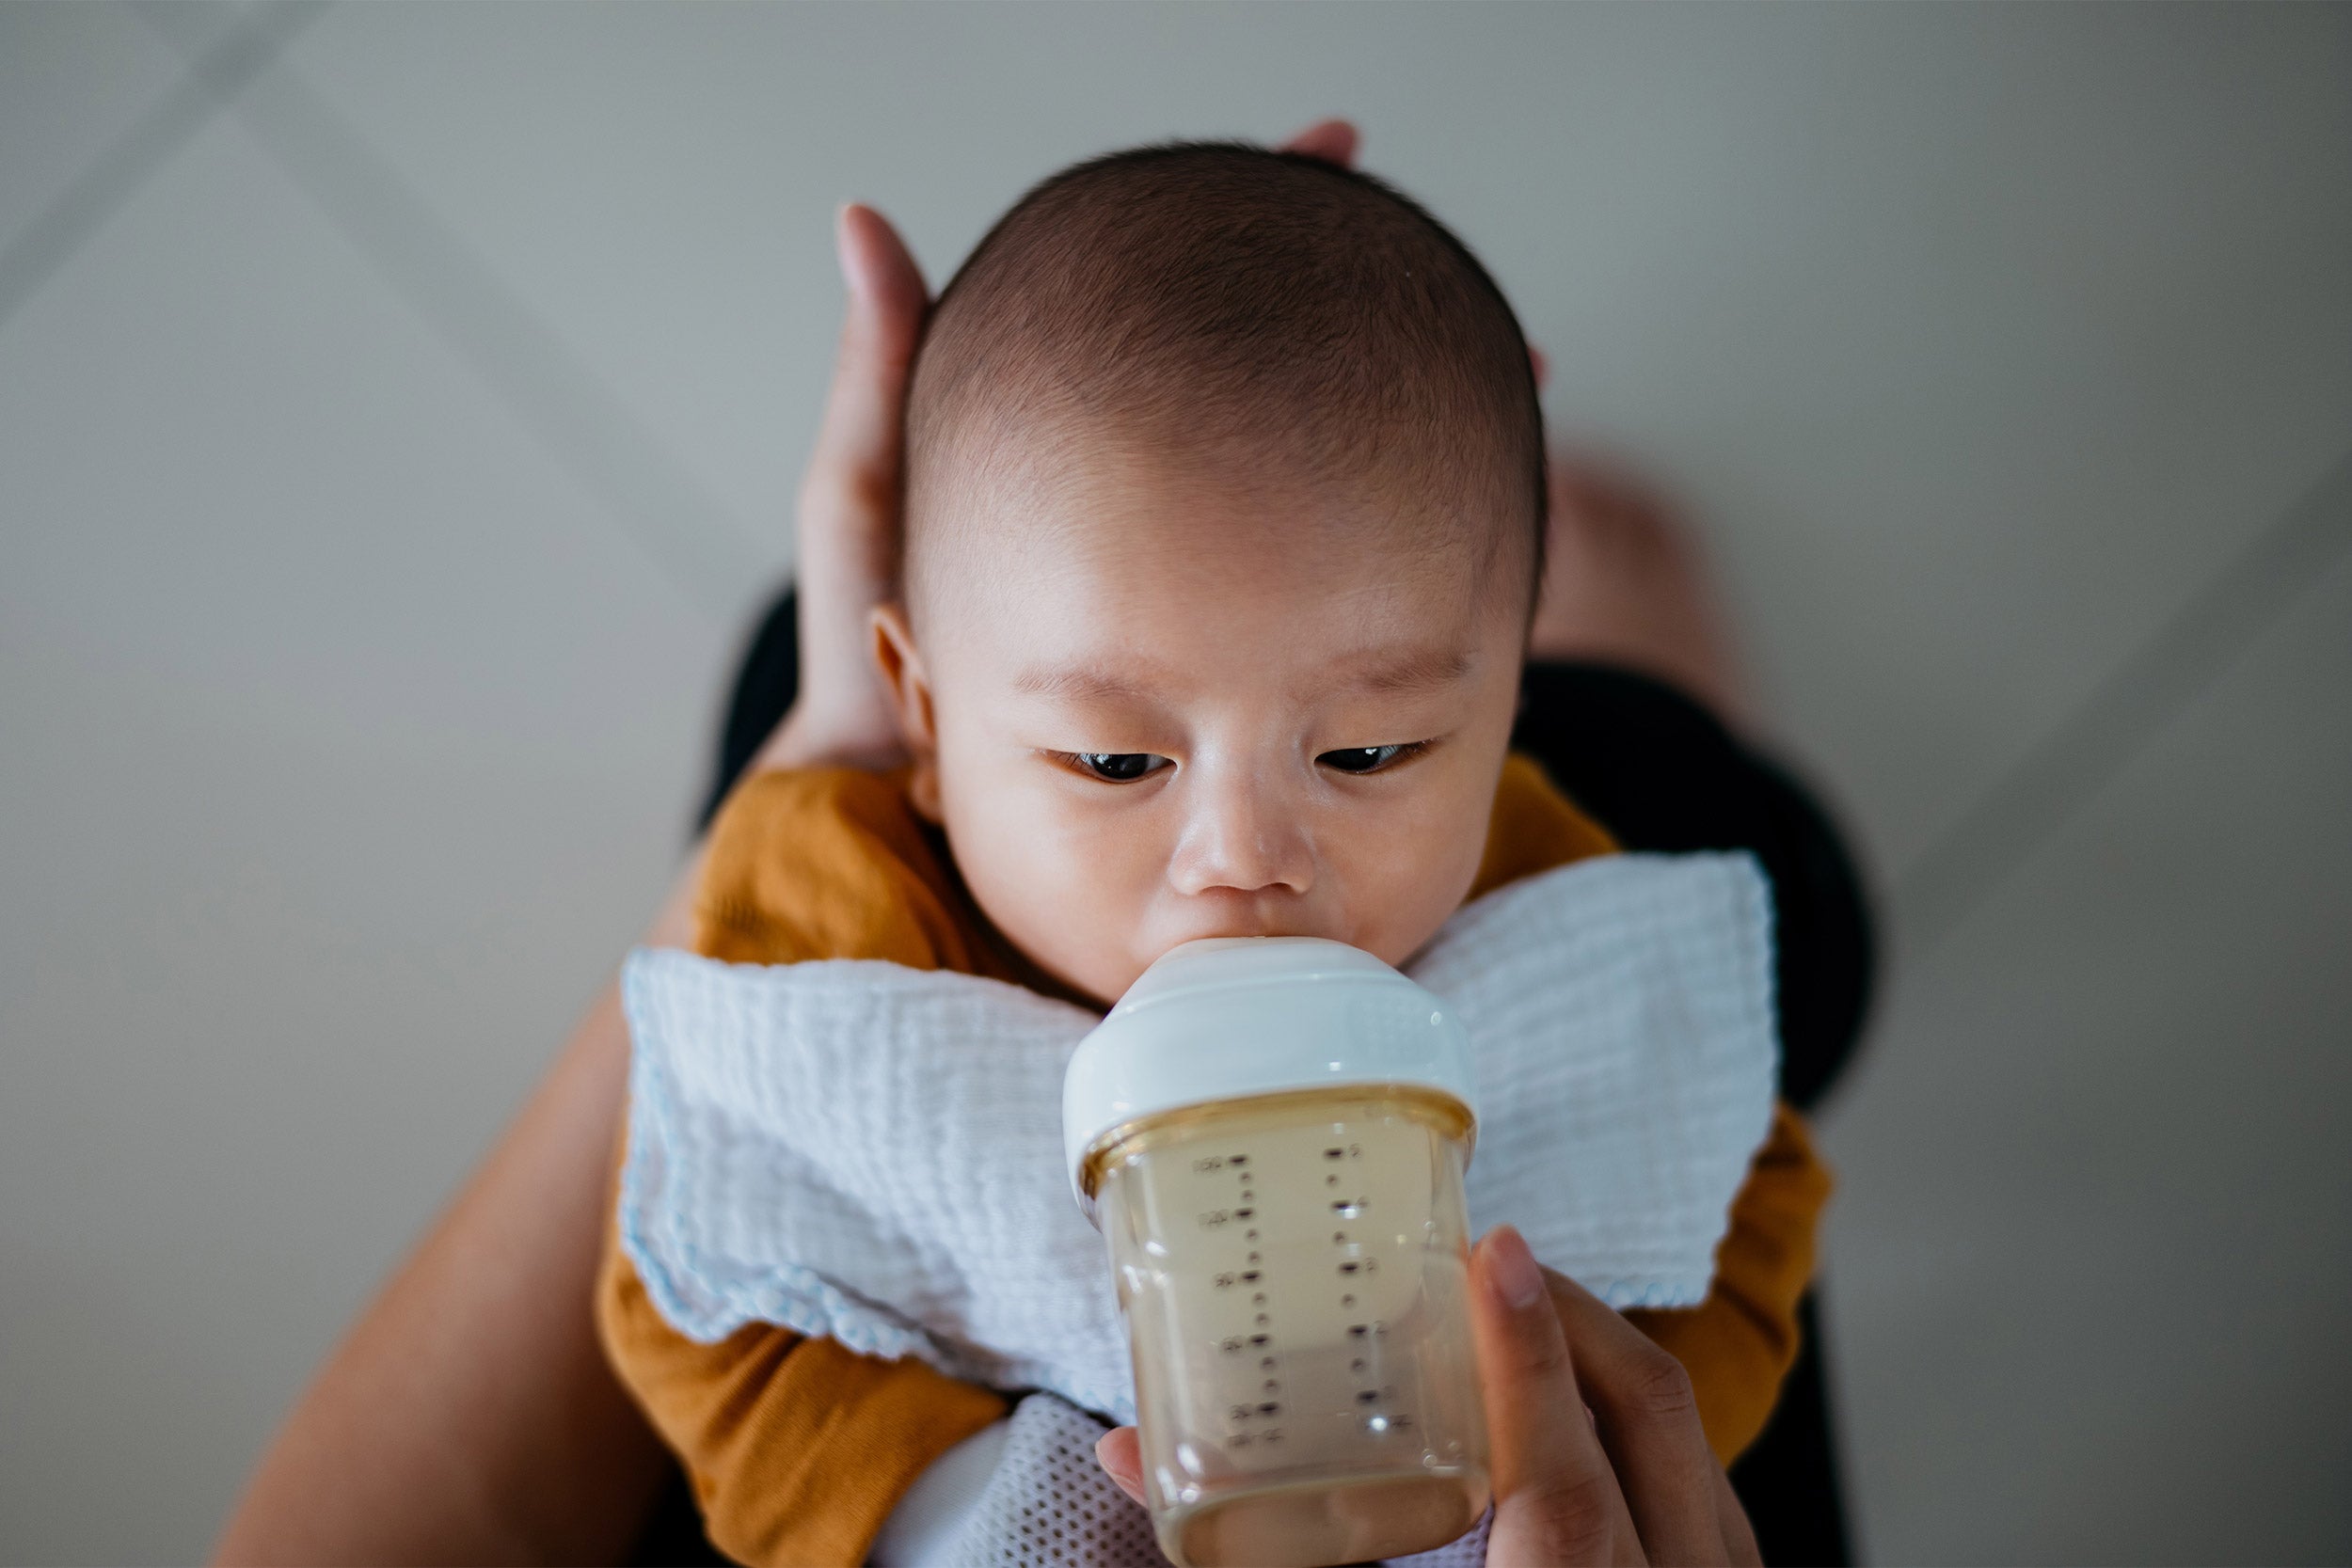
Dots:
(1106, 517)
(1163, 598)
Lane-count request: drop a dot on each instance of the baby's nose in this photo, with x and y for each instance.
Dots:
(1241, 837)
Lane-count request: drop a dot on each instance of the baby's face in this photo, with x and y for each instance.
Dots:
(1150, 705)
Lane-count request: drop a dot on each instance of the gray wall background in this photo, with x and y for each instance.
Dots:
(400, 409)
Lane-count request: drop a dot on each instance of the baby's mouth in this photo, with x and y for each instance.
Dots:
(1271, 926)
(1229, 912)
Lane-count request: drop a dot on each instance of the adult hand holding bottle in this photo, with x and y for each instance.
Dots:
(1598, 1454)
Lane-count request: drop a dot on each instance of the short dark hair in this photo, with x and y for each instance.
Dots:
(1226, 297)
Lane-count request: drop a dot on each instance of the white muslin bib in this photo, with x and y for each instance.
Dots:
(874, 1153)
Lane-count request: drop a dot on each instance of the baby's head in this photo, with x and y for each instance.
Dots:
(1224, 518)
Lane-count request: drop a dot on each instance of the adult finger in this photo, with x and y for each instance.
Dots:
(1121, 1455)
(848, 503)
(856, 460)
(1556, 1498)
(1731, 1517)
(1332, 140)
(1649, 1419)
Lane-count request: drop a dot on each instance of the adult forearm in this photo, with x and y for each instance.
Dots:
(470, 1415)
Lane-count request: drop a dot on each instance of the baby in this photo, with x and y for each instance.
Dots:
(1224, 525)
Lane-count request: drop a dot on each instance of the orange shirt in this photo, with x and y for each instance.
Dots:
(798, 1449)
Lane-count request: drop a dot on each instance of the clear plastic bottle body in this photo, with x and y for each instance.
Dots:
(1293, 1268)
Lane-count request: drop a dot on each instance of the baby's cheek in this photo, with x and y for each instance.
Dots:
(1410, 878)
(1065, 892)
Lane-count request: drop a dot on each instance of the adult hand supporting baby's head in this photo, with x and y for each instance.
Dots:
(848, 519)
(1596, 1449)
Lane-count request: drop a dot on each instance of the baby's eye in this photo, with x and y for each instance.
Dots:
(1369, 759)
(1118, 766)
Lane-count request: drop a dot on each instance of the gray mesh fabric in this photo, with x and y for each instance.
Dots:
(1049, 1505)
(1467, 1550)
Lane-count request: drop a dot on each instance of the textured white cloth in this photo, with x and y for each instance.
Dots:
(873, 1154)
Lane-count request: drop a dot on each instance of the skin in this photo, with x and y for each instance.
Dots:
(1314, 702)
(468, 1416)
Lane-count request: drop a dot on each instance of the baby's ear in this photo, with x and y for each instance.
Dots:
(900, 665)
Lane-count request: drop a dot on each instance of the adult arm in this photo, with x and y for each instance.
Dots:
(470, 1415)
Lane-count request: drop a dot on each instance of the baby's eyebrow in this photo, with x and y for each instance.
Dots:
(1415, 670)
(1382, 672)
(1078, 684)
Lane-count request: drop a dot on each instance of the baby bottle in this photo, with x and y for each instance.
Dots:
(1271, 1133)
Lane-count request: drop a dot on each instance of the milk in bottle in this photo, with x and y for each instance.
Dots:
(1271, 1134)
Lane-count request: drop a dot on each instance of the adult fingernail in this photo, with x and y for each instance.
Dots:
(1512, 1268)
(843, 248)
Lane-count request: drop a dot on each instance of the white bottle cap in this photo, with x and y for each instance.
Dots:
(1227, 1017)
